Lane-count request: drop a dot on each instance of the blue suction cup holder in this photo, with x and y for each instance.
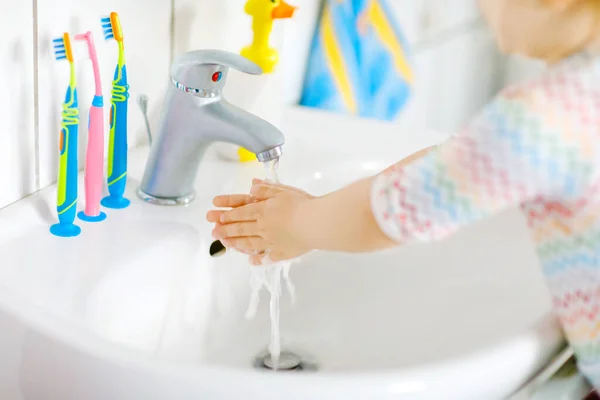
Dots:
(65, 230)
(99, 218)
(115, 202)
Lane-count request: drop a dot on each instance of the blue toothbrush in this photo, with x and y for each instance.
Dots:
(117, 146)
(68, 170)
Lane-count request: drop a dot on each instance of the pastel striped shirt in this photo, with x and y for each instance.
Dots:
(536, 146)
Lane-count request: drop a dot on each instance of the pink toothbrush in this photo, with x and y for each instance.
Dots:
(94, 162)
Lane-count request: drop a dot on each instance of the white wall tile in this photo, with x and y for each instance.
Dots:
(443, 15)
(454, 80)
(468, 72)
(457, 65)
(146, 28)
(297, 41)
(209, 24)
(410, 15)
(420, 20)
(419, 115)
(17, 140)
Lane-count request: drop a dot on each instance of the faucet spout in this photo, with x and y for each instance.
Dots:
(269, 155)
(236, 126)
(193, 118)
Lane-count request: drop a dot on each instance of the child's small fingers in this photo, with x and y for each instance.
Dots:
(246, 243)
(297, 190)
(264, 191)
(235, 230)
(288, 188)
(277, 256)
(249, 212)
(255, 260)
(262, 182)
(214, 216)
(232, 200)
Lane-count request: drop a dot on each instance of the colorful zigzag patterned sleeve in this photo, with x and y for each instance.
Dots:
(536, 146)
(509, 155)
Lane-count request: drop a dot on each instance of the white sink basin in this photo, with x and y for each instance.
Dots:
(136, 308)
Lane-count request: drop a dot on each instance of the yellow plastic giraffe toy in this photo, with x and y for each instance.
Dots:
(263, 13)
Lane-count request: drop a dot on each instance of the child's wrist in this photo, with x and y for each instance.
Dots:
(303, 222)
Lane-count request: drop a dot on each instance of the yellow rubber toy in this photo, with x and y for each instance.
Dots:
(263, 13)
(246, 155)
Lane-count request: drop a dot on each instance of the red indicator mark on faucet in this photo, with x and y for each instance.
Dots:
(217, 76)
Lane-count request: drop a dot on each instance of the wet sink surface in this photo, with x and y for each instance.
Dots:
(144, 283)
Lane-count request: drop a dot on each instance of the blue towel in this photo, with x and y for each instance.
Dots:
(359, 62)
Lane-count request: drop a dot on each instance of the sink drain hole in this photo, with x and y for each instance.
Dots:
(217, 249)
(287, 362)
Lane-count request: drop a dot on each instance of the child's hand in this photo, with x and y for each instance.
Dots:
(261, 222)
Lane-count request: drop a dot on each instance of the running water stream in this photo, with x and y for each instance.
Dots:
(269, 276)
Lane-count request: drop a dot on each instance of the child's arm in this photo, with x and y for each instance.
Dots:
(353, 195)
(509, 154)
(506, 156)
(349, 209)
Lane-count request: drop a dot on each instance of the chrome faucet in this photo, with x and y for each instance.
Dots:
(195, 114)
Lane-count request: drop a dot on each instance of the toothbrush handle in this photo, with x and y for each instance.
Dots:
(66, 205)
(94, 162)
(117, 158)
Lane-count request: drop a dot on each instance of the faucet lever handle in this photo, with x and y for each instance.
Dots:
(218, 57)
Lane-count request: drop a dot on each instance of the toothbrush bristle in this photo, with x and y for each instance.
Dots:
(107, 28)
(62, 48)
(59, 49)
